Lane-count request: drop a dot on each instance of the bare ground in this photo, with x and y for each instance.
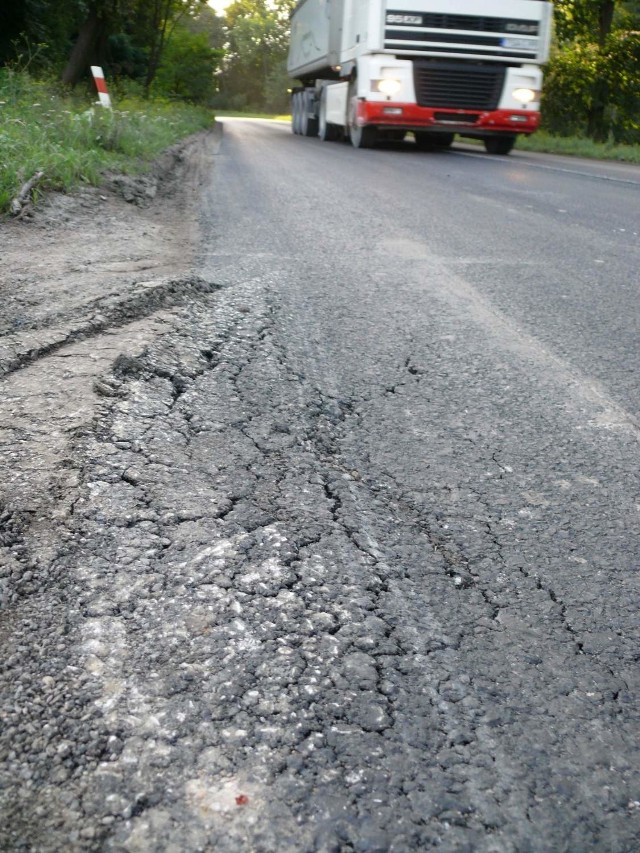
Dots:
(86, 277)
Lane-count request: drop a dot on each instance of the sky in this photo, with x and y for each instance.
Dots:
(219, 5)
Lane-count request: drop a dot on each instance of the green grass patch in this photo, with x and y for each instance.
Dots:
(74, 140)
(579, 147)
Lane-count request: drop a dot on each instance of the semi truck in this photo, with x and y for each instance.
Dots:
(374, 70)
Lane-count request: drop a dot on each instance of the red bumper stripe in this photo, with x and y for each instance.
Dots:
(413, 116)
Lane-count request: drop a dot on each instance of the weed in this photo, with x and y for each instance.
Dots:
(72, 140)
(579, 147)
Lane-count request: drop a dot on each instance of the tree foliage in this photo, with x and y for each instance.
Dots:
(129, 38)
(186, 68)
(591, 85)
(253, 73)
(154, 21)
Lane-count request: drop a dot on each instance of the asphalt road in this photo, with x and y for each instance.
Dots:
(353, 557)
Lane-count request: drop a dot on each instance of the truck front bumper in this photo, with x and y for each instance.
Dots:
(385, 114)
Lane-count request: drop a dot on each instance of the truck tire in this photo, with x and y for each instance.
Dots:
(309, 121)
(361, 137)
(295, 113)
(326, 131)
(499, 144)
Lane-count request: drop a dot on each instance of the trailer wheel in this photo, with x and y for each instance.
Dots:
(499, 144)
(295, 113)
(308, 123)
(298, 112)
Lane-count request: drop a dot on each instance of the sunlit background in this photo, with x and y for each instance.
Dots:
(219, 5)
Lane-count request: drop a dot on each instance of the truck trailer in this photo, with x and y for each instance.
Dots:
(374, 70)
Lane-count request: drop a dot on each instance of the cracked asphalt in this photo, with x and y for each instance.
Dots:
(327, 541)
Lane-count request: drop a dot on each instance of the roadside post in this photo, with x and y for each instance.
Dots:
(101, 86)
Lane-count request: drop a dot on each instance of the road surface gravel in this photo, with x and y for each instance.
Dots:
(319, 515)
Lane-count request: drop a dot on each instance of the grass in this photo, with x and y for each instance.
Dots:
(579, 147)
(73, 140)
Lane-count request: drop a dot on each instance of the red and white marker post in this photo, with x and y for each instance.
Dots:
(101, 86)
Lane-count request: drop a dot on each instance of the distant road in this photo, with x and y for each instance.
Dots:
(552, 241)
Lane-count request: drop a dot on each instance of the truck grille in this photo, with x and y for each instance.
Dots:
(473, 23)
(454, 85)
(479, 23)
(442, 33)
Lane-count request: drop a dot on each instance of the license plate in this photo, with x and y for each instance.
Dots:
(519, 44)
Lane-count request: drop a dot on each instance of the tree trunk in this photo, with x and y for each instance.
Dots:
(597, 125)
(605, 20)
(156, 44)
(167, 13)
(85, 50)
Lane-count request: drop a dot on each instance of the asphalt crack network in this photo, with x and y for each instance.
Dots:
(272, 648)
(102, 315)
(459, 567)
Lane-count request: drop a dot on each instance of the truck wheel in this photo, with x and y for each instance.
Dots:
(309, 123)
(326, 131)
(499, 144)
(361, 137)
(295, 113)
(298, 112)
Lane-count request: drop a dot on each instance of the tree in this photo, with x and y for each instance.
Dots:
(126, 36)
(45, 23)
(149, 21)
(580, 19)
(188, 66)
(90, 45)
(206, 21)
(257, 39)
(153, 23)
(589, 84)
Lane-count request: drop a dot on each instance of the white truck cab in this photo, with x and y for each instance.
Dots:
(373, 69)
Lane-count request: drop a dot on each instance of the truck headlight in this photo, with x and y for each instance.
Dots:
(388, 86)
(525, 96)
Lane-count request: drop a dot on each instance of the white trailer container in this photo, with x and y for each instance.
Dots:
(375, 69)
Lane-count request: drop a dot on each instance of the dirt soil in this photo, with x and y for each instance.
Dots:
(84, 279)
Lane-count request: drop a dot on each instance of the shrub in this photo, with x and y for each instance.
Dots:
(569, 79)
(593, 91)
(187, 68)
(72, 140)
